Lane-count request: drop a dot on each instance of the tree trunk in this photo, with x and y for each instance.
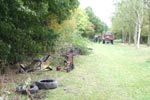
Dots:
(129, 40)
(138, 36)
(123, 38)
(148, 39)
(135, 34)
(126, 37)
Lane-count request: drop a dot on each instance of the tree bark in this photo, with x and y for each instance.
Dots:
(123, 38)
(148, 39)
(135, 34)
(138, 36)
(129, 40)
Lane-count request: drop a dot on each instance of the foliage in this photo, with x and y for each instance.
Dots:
(24, 27)
(89, 31)
(82, 20)
(72, 41)
(71, 31)
(62, 9)
(131, 20)
(84, 26)
(99, 26)
(78, 42)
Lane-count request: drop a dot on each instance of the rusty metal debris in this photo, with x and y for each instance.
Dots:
(68, 62)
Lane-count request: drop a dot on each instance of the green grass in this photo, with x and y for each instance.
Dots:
(110, 72)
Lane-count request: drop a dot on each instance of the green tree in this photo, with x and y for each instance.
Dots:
(147, 6)
(122, 23)
(99, 26)
(72, 31)
(132, 15)
(24, 29)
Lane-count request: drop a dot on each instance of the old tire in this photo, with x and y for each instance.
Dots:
(33, 89)
(112, 42)
(103, 41)
(46, 84)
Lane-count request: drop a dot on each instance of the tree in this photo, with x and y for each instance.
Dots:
(138, 7)
(99, 26)
(84, 26)
(62, 9)
(24, 26)
(133, 11)
(122, 23)
(147, 4)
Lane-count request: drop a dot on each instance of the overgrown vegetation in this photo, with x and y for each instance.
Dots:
(29, 29)
(24, 30)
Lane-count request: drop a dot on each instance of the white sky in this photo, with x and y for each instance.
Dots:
(102, 8)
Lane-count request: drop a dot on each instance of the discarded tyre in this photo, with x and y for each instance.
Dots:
(33, 89)
(46, 84)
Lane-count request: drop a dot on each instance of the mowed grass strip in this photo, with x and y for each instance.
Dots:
(110, 72)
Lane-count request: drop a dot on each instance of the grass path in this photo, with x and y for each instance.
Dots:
(110, 72)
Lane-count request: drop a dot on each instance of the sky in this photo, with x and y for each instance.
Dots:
(104, 9)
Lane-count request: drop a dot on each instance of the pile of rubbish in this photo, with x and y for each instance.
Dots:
(36, 86)
(44, 64)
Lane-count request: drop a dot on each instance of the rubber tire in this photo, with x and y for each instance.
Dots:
(33, 89)
(47, 84)
(103, 41)
(112, 42)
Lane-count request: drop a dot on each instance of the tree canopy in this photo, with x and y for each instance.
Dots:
(99, 26)
(24, 26)
(131, 20)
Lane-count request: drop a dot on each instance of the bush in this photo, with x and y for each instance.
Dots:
(80, 42)
(72, 41)
(22, 44)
